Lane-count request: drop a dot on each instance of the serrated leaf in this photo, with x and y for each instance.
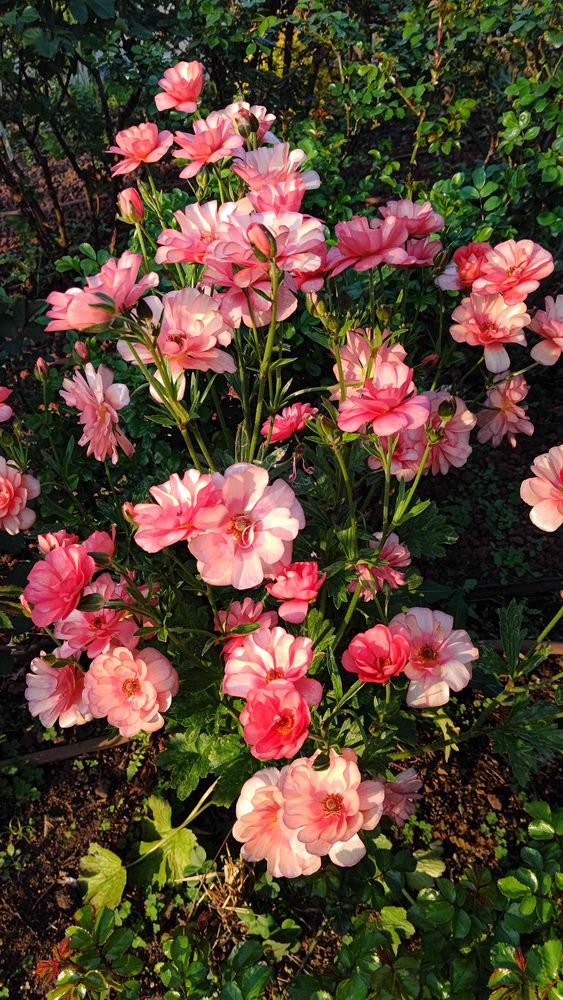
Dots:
(170, 853)
(104, 875)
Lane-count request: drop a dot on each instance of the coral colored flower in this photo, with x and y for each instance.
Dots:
(419, 217)
(16, 488)
(421, 253)
(173, 517)
(101, 541)
(365, 243)
(388, 401)
(548, 323)
(275, 721)
(239, 613)
(55, 584)
(56, 694)
(94, 632)
(213, 139)
(544, 492)
(439, 659)
(251, 302)
(376, 655)
(139, 144)
(297, 586)
(242, 111)
(55, 539)
(513, 269)
(261, 829)
(300, 247)
(488, 321)
(503, 416)
(5, 410)
(267, 655)
(78, 309)
(284, 196)
(274, 165)
(108, 293)
(408, 453)
(401, 796)
(117, 279)
(180, 86)
(249, 534)
(192, 326)
(288, 422)
(131, 688)
(465, 267)
(199, 225)
(130, 206)
(390, 557)
(357, 358)
(99, 400)
(449, 439)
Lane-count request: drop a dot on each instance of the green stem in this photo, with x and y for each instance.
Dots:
(349, 497)
(550, 626)
(349, 612)
(227, 436)
(203, 447)
(265, 363)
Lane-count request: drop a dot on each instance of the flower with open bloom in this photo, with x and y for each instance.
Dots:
(376, 655)
(16, 488)
(300, 247)
(213, 139)
(548, 323)
(249, 534)
(407, 455)
(131, 688)
(385, 570)
(274, 165)
(173, 517)
(439, 659)
(465, 267)
(53, 539)
(503, 416)
(5, 410)
(544, 492)
(297, 586)
(240, 613)
(108, 293)
(419, 217)
(56, 694)
(101, 541)
(55, 584)
(261, 829)
(288, 422)
(448, 438)
(198, 224)
(388, 401)
(284, 196)
(401, 796)
(139, 144)
(243, 112)
(488, 321)
(365, 243)
(94, 632)
(180, 87)
(513, 269)
(267, 655)
(357, 358)
(275, 721)
(130, 206)
(98, 400)
(420, 252)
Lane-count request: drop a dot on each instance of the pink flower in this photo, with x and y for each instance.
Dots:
(16, 488)
(261, 829)
(198, 229)
(249, 534)
(275, 721)
(94, 632)
(376, 655)
(180, 86)
(297, 586)
(56, 694)
(101, 541)
(139, 144)
(288, 422)
(449, 438)
(401, 796)
(407, 454)
(421, 253)
(5, 410)
(388, 401)
(246, 297)
(514, 269)
(357, 358)
(192, 326)
(439, 659)
(419, 217)
(81, 350)
(239, 613)
(490, 322)
(107, 294)
(465, 267)
(78, 309)
(268, 655)
(242, 111)
(117, 279)
(365, 243)
(274, 165)
(130, 206)
(55, 584)
(98, 401)
(55, 539)
(385, 571)
(544, 492)
(284, 196)
(213, 139)
(548, 323)
(173, 517)
(131, 689)
(502, 415)
(300, 248)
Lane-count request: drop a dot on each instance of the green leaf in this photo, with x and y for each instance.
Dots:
(104, 875)
(186, 765)
(511, 632)
(171, 852)
(512, 888)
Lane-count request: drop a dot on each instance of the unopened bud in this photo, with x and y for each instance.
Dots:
(144, 310)
(245, 123)
(447, 409)
(129, 513)
(41, 371)
(315, 305)
(430, 360)
(434, 434)
(81, 349)
(202, 177)
(262, 242)
(130, 206)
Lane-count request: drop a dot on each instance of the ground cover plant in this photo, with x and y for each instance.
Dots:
(228, 482)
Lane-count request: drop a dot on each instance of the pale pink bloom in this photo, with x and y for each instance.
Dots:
(297, 586)
(56, 694)
(139, 144)
(119, 279)
(55, 539)
(55, 584)
(388, 401)
(78, 309)
(419, 217)
(284, 196)
(376, 655)
(173, 517)
(548, 323)
(275, 721)
(544, 492)
(16, 488)
(357, 358)
(390, 557)
(198, 224)
(131, 688)
(273, 165)
(401, 796)
(130, 206)
(465, 267)
(449, 439)
(249, 534)
(267, 655)
(5, 410)
(261, 829)
(94, 632)
(101, 541)
(513, 269)
(421, 253)
(408, 453)
(180, 87)
(213, 139)
(239, 613)
(98, 401)
(503, 417)
(246, 298)
(488, 321)
(108, 293)
(300, 247)
(440, 658)
(365, 243)
(242, 110)
(288, 422)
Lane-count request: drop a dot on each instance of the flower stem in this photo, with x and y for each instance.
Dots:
(265, 363)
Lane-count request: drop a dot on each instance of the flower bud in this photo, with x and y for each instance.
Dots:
(81, 350)
(262, 241)
(144, 310)
(130, 206)
(245, 123)
(430, 360)
(447, 409)
(41, 371)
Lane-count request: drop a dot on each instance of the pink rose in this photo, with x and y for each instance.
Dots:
(513, 269)
(131, 688)
(269, 655)
(180, 86)
(490, 322)
(55, 584)
(419, 217)
(297, 586)
(465, 267)
(289, 421)
(275, 721)
(173, 517)
(56, 694)
(139, 144)
(388, 401)
(239, 613)
(376, 655)
(548, 323)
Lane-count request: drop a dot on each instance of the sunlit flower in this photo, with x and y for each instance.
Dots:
(364, 243)
(544, 492)
(273, 165)
(131, 688)
(56, 694)
(267, 655)
(297, 586)
(98, 400)
(503, 416)
(401, 796)
(439, 659)
(180, 86)
(16, 488)
(391, 557)
(387, 402)
(513, 268)
(241, 613)
(376, 655)
(139, 144)
(548, 323)
(488, 321)
(289, 421)
(465, 267)
(213, 139)
(55, 584)
(94, 632)
(419, 217)
(275, 721)
(173, 517)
